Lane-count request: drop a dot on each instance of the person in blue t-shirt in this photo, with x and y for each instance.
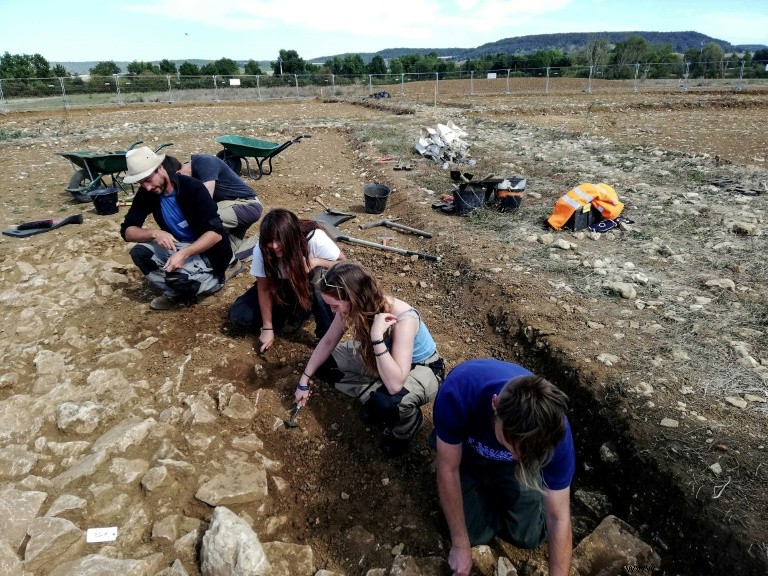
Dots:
(238, 205)
(505, 461)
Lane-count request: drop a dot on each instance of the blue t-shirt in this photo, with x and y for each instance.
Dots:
(174, 218)
(228, 185)
(463, 414)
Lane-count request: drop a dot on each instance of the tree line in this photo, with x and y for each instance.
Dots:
(619, 60)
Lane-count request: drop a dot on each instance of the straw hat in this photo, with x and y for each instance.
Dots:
(141, 163)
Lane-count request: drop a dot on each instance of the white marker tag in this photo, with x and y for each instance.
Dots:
(101, 534)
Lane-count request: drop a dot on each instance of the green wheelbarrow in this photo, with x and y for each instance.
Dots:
(239, 148)
(92, 167)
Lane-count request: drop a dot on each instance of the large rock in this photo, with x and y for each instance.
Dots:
(100, 565)
(231, 548)
(51, 541)
(613, 545)
(235, 485)
(10, 563)
(17, 510)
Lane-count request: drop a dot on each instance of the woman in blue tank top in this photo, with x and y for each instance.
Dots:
(391, 364)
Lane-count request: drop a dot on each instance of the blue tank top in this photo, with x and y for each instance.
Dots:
(423, 344)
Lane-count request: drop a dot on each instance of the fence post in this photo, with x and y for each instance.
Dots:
(507, 92)
(546, 82)
(437, 81)
(117, 88)
(296, 80)
(258, 87)
(170, 94)
(471, 82)
(3, 104)
(402, 84)
(63, 94)
(215, 89)
(637, 73)
(740, 84)
(333, 85)
(685, 76)
(589, 85)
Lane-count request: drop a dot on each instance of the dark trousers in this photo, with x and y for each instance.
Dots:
(496, 505)
(287, 318)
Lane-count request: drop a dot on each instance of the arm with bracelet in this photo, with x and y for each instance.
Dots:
(320, 354)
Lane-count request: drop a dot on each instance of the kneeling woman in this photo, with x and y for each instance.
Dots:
(391, 365)
(287, 262)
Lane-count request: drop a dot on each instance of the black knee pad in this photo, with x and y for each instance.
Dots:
(180, 283)
(142, 257)
(382, 409)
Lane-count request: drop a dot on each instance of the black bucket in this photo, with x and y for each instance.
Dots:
(105, 200)
(468, 197)
(375, 198)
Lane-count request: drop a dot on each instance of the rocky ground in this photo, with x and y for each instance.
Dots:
(114, 415)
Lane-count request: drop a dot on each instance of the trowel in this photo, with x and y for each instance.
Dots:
(291, 422)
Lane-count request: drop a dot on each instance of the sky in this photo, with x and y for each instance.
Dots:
(150, 30)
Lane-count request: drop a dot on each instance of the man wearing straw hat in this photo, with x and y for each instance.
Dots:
(187, 256)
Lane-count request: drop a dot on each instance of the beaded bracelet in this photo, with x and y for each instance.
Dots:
(301, 387)
(381, 353)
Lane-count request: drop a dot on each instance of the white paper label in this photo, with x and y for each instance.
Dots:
(101, 534)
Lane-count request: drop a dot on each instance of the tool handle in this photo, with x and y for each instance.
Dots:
(404, 228)
(429, 257)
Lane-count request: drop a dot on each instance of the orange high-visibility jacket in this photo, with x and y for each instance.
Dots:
(582, 198)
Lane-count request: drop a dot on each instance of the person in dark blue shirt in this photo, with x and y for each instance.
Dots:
(505, 461)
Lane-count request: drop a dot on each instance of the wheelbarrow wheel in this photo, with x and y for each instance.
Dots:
(80, 184)
(232, 161)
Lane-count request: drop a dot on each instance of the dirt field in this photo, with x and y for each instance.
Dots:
(689, 345)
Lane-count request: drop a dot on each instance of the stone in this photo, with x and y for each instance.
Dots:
(82, 418)
(65, 503)
(10, 563)
(17, 510)
(235, 485)
(52, 541)
(736, 401)
(100, 565)
(230, 547)
(285, 558)
(669, 423)
(16, 461)
(484, 560)
(612, 546)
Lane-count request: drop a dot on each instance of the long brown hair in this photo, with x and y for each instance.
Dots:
(352, 282)
(532, 414)
(282, 225)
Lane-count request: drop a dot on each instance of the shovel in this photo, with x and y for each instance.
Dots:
(291, 422)
(338, 236)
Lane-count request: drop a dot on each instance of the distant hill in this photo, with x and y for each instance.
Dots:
(568, 42)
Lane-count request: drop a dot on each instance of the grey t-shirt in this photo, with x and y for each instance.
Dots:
(229, 186)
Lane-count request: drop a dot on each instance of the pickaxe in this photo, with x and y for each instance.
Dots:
(390, 223)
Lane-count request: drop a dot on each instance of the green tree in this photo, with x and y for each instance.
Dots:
(167, 67)
(24, 66)
(396, 66)
(59, 71)
(137, 67)
(252, 68)
(189, 69)
(288, 62)
(377, 65)
(712, 60)
(107, 68)
(221, 67)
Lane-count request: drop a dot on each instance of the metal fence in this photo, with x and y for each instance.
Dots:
(18, 95)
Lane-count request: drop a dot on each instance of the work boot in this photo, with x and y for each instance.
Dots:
(235, 267)
(164, 303)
